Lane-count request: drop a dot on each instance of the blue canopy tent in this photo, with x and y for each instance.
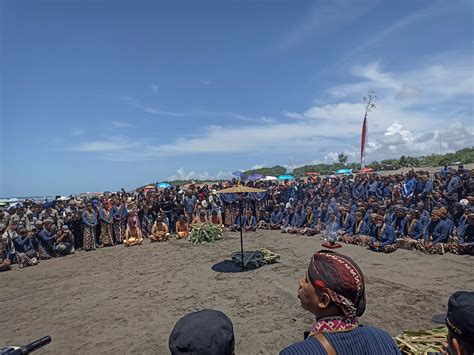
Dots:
(163, 185)
(285, 177)
(344, 171)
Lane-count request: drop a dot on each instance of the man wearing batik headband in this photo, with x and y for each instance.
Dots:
(334, 291)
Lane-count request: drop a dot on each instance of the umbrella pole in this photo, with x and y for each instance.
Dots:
(241, 236)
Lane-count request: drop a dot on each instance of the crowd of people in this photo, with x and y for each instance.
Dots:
(430, 213)
(419, 211)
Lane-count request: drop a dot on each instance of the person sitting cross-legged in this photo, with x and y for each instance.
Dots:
(237, 222)
(276, 218)
(358, 232)
(159, 231)
(465, 242)
(436, 239)
(133, 234)
(413, 231)
(383, 238)
(182, 227)
(64, 241)
(249, 222)
(333, 290)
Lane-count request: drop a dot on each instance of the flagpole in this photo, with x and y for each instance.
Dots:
(369, 106)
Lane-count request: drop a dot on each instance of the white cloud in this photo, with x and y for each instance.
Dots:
(449, 76)
(107, 144)
(410, 113)
(235, 116)
(331, 157)
(123, 124)
(324, 18)
(265, 119)
(397, 141)
(147, 108)
(296, 116)
(205, 82)
(182, 174)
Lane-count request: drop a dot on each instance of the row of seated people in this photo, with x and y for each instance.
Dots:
(375, 227)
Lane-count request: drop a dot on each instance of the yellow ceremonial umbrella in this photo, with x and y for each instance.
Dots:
(240, 189)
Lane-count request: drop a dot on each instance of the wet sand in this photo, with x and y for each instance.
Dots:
(126, 300)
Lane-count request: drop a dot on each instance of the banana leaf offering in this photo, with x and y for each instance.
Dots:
(414, 342)
(204, 233)
(255, 259)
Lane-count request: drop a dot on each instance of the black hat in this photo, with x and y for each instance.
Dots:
(460, 317)
(206, 332)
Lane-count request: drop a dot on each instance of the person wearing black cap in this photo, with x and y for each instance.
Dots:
(206, 332)
(460, 323)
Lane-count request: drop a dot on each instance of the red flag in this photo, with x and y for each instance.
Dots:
(363, 140)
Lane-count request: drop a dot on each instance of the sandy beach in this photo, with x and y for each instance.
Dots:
(126, 300)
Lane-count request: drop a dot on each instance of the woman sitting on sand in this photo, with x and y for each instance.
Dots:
(133, 234)
(159, 231)
(182, 228)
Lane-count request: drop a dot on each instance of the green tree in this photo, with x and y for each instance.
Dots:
(403, 161)
(342, 158)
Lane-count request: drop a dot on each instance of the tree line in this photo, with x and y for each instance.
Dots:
(463, 156)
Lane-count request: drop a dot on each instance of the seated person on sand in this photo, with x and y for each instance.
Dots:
(236, 223)
(399, 222)
(8, 243)
(263, 219)
(182, 227)
(436, 235)
(333, 291)
(344, 218)
(200, 218)
(25, 251)
(383, 237)
(309, 224)
(413, 231)
(292, 222)
(159, 231)
(276, 218)
(465, 243)
(216, 218)
(358, 232)
(133, 234)
(323, 217)
(64, 241)
(47, 238)
(249, 222)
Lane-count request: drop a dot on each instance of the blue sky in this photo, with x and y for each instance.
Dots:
(99, 95)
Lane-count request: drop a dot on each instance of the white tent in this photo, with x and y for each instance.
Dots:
(269, 178)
